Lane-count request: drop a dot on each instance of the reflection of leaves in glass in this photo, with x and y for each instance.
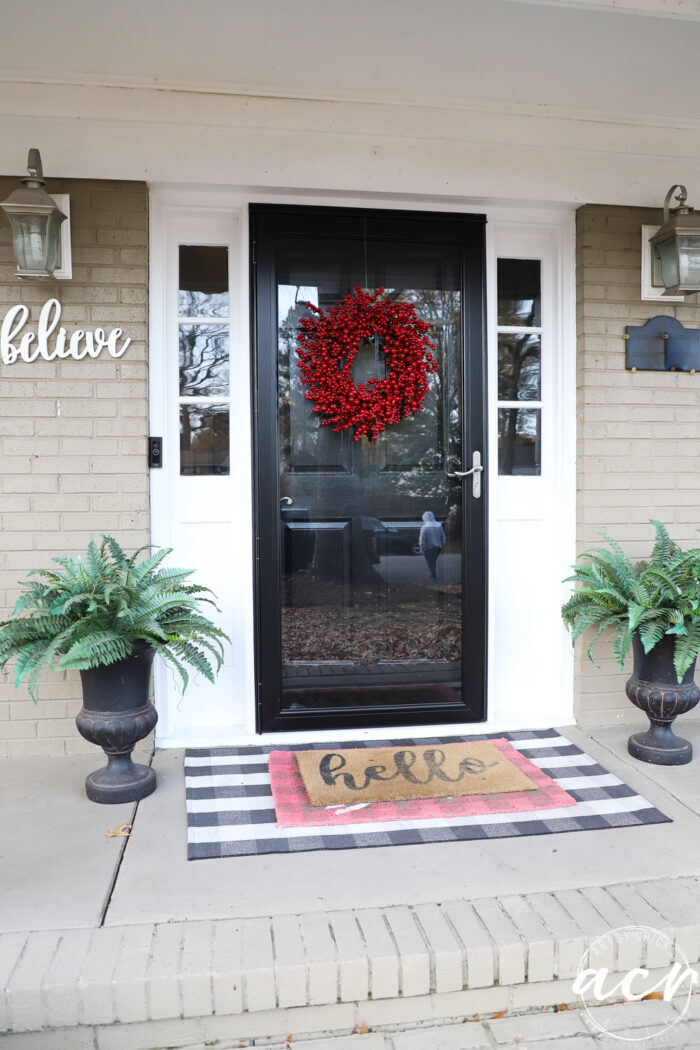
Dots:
(204, 366)
(518, 367)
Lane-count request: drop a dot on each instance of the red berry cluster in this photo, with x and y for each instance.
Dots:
(328, 345)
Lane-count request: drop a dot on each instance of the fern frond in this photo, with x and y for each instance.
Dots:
(95, 650)
(612, 621)
(195, 657)
(663, 546)
(169, 657)
(686, 649)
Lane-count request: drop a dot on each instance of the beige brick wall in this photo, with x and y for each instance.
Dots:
(73, 433)
(638, 433)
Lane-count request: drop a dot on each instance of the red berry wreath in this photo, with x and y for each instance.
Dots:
(328, 345)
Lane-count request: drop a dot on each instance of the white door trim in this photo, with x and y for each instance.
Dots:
(548, 697)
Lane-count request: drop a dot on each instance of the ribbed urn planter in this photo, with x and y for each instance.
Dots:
(116, 714)
(655, 689)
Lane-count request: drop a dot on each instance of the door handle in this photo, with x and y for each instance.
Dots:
(475, 474)
(286, 500)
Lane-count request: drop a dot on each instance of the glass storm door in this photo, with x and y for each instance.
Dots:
(371, 583)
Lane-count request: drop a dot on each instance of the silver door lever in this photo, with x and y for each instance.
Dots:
(465, 473)
(475, 473)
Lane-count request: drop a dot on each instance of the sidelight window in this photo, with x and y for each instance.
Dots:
(519, 367)
(204, 338)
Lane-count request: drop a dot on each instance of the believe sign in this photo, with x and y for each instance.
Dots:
(31, 345)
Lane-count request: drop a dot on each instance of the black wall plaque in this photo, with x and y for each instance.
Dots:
(662, 345)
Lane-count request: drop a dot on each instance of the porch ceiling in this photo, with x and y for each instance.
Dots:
(566, 102)
(581, 55)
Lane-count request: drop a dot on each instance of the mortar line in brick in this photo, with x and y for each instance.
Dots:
(149, 962)
(307, 960)
(211, 966)
(462, 945)
(274, 961)
(395, 943)
(501, 919)
(8, 981)
(429, 948)
(368, 954)
(81, 1001)
(42, 980)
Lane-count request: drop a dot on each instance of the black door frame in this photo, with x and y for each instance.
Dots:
(467, 231)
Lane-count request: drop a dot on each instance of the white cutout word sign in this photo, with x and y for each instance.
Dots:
(31, 345)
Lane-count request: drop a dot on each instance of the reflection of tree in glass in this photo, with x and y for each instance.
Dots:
(204, 366)
(423, 445)
(519, 311)
(289, 384)
(419, 448)
(202, 304)
(518, 380)
(518, 367)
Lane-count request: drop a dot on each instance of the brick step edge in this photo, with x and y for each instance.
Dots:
(333, 971)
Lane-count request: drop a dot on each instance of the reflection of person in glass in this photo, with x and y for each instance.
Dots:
(431, 541)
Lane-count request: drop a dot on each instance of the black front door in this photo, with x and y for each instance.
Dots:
(370, 553)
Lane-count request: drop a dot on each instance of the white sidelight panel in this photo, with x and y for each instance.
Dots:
(533, 468)
(200, 497)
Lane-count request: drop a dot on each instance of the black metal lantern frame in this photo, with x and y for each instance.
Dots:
(676, 247)
(36, 223)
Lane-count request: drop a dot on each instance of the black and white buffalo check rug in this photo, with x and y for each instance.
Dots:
(231, 812)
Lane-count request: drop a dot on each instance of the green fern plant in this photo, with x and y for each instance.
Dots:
(90, 613)
(652, 598)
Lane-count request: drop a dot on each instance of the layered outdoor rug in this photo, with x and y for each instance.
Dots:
(231, 808)
(294, 808)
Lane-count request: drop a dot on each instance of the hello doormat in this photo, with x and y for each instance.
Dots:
(360, 774)
(231, 810)
(293, 808)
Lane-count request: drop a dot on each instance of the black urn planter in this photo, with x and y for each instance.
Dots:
(116, 714)
(654, 688)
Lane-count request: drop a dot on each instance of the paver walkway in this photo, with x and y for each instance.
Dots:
(629, 1025)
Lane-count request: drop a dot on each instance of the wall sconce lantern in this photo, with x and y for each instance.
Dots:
(36, 223)
(676, 247)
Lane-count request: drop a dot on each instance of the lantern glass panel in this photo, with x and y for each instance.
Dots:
(666, 263)
(30, 235)
(54, 241)
(689, 259)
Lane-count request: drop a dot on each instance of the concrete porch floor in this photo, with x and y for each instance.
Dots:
(116, 943)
